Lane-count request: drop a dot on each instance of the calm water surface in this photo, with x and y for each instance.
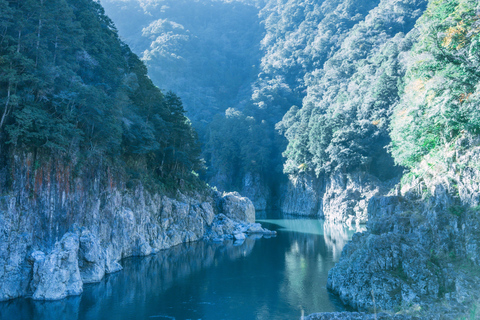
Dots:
(275, 278)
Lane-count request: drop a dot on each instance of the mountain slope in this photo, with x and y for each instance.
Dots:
(311, 51)
(96, 163)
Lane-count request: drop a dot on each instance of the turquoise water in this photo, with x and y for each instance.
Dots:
(275, 278)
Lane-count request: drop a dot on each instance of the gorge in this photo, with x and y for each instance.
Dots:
(362, 114)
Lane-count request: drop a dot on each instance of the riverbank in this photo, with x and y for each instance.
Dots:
(262, 277)
(59, 232)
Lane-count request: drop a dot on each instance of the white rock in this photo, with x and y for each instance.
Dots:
(239, 236)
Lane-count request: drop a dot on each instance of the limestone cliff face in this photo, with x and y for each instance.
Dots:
(254, 188)
(302, 195)
(421, 250)
(60, 228)
(338, 197)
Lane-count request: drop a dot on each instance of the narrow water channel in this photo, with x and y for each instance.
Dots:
(274, 278)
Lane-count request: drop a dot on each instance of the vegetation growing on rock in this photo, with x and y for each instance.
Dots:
(69, 87)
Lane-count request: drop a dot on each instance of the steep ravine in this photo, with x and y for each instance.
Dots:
(61, 228)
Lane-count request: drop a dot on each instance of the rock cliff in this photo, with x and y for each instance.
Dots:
(255, 188)
(60, 228)
(338, 197)
(421, 251)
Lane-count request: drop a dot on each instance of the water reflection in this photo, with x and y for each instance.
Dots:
(335, 235)
(273, 278)
(314, 246)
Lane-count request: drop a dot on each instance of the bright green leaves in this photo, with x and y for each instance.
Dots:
(440, 101)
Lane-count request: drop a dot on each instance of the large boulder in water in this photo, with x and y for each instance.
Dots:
(236, 207)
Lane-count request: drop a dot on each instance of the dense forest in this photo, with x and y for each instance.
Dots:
(314, 82)
(70, 88)
(301, 87)
(440, 92)
(208, 52)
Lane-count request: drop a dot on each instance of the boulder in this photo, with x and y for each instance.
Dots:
(57, 274)
(238, 208)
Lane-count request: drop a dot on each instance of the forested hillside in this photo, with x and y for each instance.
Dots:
(440, 93)
(335, 66)
(429, 225)
(70, 89)
(209, 53)
(343, 124)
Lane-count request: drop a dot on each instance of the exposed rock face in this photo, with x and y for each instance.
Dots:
(253, 187)
(346, 196)
(225, 228)
(356, 316)
(58, 232)
(338, 197)
(236, 207)
(302, 195)
(91, 258)
(421, 251)
(57, 275)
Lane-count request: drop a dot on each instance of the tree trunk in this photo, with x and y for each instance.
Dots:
(55, 51)
(19, 37)
(5, 112)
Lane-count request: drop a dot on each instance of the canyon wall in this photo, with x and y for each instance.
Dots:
(339, 197)
(61, 227)
(421, 251)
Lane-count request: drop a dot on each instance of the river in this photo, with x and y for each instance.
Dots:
(262, 278)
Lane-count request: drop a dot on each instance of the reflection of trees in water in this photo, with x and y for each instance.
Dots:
(147, 278)
(307, 262)
(336, 236)
(22, 308)
(139, 284)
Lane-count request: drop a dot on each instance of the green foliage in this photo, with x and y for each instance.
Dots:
(344, 122)
(205, 51)
(341, 62)
(68, 84)
(208, 53)
(456, 210)
(236, 144)
(441, 96)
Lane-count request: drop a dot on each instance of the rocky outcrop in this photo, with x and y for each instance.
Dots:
(59, 231)
(224, 228)
(346, 196)
(57, 274)
(252, 186)
(421, 251)
(337, 197)
(356, 316)
(302, 195)
(236, 207)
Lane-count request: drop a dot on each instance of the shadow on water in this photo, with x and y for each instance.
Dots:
(272, 278)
